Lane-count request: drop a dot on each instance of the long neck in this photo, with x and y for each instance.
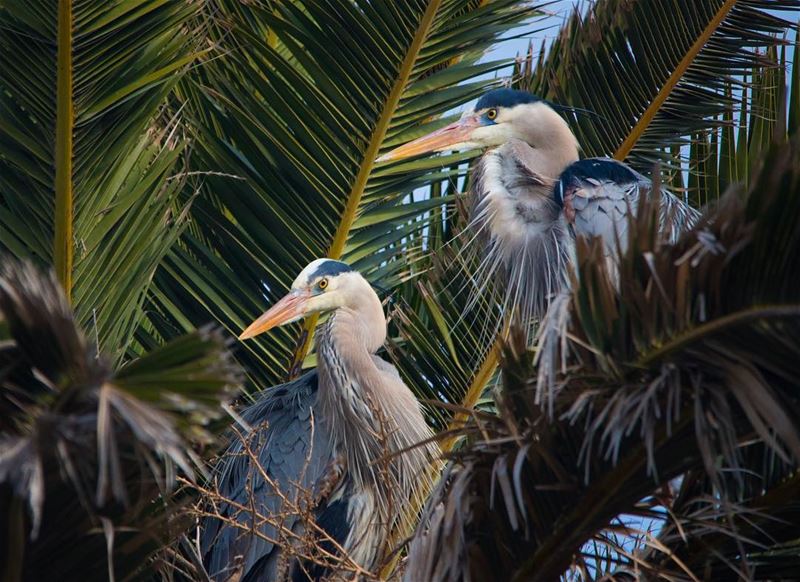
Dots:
(371, 415)
(370, 411)
(349, 382)
(550, 161)
(553, 146)
(345, 349)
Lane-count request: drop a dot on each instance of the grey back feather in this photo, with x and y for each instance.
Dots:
(293, 448)
(601, 191)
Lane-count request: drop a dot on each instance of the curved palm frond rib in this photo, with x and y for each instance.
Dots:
(365, 168)
(87, 149)
(655, 73)
(65, 120)
(688, 368)
(298, 123)
(90, 157)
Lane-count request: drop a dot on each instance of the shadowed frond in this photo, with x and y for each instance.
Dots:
(687, 368)
(85, 452)
(702, 535)
(444, 336)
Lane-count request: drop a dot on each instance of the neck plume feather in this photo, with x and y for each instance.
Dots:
(522, 237)
(371, 415)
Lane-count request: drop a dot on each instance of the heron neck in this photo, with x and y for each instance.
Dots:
(346, 348)
(547, 160)
(347, 336)
(350, 386)
(370, 414)
(553, 146)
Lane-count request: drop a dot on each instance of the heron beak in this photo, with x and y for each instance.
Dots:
(289, 309)
(443, 139)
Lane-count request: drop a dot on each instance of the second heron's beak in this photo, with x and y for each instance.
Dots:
(289, 309)
(448, 137)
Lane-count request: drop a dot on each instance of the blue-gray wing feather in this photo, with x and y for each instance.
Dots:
(291, 449)
(602, 191)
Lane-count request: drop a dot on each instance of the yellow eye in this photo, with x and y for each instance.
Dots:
(491, 114)
(322, 284)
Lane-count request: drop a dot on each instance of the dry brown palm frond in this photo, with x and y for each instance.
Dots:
(682, 378)
(87, 453)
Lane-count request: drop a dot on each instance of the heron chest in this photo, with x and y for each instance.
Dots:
(515, 195)
(341, 382)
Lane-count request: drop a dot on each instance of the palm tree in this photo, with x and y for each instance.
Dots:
(86, 451)
(290, 111)
(176, 162)
(111, 113)
(659, 80)
(98, 420)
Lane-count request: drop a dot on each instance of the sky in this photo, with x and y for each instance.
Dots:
(546, 29)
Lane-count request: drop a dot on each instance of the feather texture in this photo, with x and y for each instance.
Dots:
(336, 447)
(598, 194)
(527, 220)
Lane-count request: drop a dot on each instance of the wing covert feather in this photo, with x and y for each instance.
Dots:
(291, 450)
(598, 194)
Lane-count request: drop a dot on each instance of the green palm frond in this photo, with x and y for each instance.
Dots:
(86, 150)
(655, 73)
(603, 61)
(721, 156)
(688, 368)
(91, 176)
(295, 131)
(86, 451)
(443, 337)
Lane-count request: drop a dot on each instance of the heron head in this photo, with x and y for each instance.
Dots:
(324, 285)
(499, 116)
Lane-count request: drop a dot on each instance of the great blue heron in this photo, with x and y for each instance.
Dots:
(338, 444)
(531, 195)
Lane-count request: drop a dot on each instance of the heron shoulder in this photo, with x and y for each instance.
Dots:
(289, 445)
(599, 194)
(401, 402)
(298, 394)
(600, 170)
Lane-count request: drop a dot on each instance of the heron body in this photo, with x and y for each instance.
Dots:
(532, 195)
(337, 444)
(598, 193)
(526, 237)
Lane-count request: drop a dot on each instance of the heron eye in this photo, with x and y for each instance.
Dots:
(491, 114)
(322, 284)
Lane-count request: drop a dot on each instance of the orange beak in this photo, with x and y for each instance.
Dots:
(443, 139)
(289, 309)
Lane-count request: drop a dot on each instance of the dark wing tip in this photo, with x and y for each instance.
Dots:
(591, 173)
(600, 169)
